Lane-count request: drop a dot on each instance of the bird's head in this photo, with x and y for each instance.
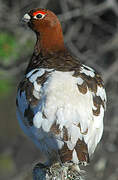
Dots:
(40, 19)
(47, 26)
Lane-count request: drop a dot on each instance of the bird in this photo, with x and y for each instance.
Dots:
(60, 101)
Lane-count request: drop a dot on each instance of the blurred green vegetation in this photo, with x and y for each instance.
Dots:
(11, 50)
(5, 87)
(6, 163)
(8, 46)
(8, 53)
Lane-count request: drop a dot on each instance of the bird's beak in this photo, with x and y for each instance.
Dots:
(26, 18)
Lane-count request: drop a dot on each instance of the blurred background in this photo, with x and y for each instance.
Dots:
(91, 33)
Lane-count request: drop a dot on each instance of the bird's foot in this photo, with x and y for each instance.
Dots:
(67, 171)
(57, 172)
(74, 173)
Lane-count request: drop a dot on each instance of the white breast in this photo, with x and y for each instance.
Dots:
(65, 104)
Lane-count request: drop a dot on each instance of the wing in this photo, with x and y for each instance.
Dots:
(90, 82)
(29, 101)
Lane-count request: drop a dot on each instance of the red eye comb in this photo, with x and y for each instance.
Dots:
(39, 12)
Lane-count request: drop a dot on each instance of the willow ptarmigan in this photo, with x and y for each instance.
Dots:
(60, 101)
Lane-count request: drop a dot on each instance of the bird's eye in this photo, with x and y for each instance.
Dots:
(39, 16)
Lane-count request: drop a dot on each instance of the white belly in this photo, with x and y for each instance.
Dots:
(67, 106)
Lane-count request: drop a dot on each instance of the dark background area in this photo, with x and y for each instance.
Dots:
(91, 33)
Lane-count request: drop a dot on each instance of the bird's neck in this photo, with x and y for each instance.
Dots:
(50, 41)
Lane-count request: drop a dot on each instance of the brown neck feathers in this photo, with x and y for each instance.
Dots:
(50, 40)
